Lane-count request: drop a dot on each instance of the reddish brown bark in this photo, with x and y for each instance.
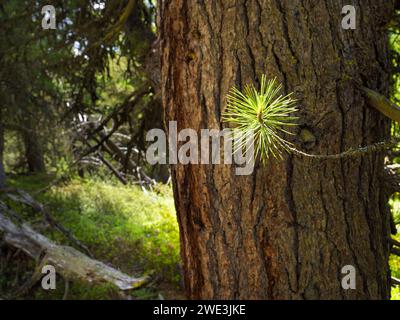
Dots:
(285, 231)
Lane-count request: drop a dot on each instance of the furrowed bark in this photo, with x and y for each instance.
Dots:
(286, 231)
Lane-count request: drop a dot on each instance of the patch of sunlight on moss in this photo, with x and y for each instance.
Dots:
(394, 261)
(395, 293)
(395, 205)
(121, 224)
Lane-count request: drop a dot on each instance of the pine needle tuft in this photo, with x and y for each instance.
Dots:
(265, 114)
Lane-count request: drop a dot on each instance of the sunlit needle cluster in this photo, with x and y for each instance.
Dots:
(263, 113)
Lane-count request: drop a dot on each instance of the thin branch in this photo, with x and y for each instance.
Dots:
(395, 251)
(395, 281)
(351, 153)
(112, 169)
(393, 166)
(394, 242)
(382, 104)
(126, 106)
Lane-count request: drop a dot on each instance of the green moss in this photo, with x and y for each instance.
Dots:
(396, 293)
(133, 230)
(121, 223)
(30, 182)
(394, 261)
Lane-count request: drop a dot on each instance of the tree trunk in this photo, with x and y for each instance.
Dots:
(33, 149)
(286, 231)
(2, 172)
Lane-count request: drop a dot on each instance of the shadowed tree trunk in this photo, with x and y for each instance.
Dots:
(33, 149)
(286, 231)
(2, 172)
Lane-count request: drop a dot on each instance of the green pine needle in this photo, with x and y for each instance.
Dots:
(263, 113)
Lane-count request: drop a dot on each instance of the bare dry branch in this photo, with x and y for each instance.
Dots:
(395, 281)
(67, 261)
(394, 242)
(395, 251)
(23, 197)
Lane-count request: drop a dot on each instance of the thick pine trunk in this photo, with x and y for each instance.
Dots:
(2, 172)
(286, 231)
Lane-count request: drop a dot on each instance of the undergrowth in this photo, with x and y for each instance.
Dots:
(394, 261)
(133, 230)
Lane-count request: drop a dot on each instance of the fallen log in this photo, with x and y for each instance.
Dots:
(67, 261)
(23, 197)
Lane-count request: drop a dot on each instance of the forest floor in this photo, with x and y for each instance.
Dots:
(395, 260)
(130, 229)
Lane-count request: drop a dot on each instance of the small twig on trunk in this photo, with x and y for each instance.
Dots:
(381, 103)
